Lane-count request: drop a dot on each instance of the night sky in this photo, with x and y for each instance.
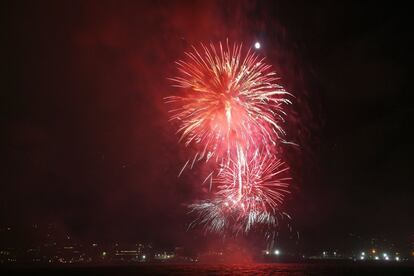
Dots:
(86, 141)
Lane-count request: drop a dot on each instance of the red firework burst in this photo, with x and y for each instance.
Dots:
(231, 108)
(230, 102)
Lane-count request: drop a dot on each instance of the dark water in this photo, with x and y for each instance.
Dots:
(221, 269)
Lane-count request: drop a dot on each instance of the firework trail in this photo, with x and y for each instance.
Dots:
(231, 109)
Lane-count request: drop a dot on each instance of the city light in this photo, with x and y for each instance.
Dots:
(257, 45)
(145, 253)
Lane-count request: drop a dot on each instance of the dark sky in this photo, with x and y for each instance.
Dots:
(86, 138)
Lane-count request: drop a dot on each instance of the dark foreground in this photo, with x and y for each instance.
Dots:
(220, 269)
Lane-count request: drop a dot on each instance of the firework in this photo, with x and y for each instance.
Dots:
(230, 102)
(216, 219)
(231, 109)
(265, 183)
(263, 180)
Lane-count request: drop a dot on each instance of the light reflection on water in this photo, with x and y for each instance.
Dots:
(290, 269)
